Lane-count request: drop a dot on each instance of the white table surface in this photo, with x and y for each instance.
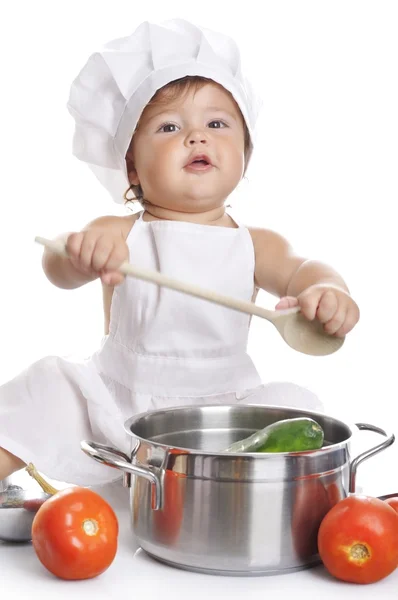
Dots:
(134, 575)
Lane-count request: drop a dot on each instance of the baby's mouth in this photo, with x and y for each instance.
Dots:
(199, 163)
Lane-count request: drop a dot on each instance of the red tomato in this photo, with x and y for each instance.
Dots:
(74, 534)
(357, 540)
(393, 502)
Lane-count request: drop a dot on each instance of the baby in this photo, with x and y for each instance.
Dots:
(167, 115)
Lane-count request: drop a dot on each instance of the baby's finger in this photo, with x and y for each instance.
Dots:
(112, 279)
(87, 249)
(336, 321)
(327, 307)
(351, 319)
(286, 302)
(308, 302)
(101, 253)
(118, 255)
(73, 244)
(75, 262)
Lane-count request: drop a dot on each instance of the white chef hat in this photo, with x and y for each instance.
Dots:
(111, 91)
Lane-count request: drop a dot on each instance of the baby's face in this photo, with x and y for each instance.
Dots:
(205, 125)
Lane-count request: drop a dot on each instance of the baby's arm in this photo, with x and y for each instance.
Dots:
(97, 251)
(315, 286)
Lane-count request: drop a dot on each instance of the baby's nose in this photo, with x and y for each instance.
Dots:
(197, 137)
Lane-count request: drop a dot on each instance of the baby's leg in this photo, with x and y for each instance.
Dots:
(9, 463)
(45, 413)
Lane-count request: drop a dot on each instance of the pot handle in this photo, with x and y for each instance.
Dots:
(368, 453)
(117, 459)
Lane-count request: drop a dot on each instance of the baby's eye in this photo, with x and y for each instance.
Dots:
(217, 124)
(168, 128)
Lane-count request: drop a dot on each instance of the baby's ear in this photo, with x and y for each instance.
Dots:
(132, 173)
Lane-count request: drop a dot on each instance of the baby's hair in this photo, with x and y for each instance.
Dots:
(168, 93)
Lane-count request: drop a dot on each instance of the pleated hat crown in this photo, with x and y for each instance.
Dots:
(112, 89)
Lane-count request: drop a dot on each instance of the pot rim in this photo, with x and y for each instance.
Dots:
(254, 455)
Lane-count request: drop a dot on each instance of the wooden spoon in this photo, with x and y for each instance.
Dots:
(300, 334)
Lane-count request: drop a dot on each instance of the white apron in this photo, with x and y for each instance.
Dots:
(164, 348)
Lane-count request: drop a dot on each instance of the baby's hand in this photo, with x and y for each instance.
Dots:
(331, 305)
(98, 253)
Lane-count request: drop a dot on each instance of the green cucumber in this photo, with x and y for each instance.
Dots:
(289, 435)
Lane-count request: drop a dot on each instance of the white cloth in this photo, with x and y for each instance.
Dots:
(112, 89)
(164, 349)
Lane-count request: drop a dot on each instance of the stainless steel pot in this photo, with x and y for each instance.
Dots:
(198, 508)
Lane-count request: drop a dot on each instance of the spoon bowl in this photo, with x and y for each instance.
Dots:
(307, 337)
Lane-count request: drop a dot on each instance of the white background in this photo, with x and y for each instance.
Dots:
(324, 173)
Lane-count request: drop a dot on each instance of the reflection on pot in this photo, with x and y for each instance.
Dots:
(336, 492)
(310, 504)
(168, 520)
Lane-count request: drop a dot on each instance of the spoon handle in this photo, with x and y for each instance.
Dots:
(126, 268)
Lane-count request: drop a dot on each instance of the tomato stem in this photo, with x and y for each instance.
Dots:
(90, 527)
(45, 486)
(359, 552)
